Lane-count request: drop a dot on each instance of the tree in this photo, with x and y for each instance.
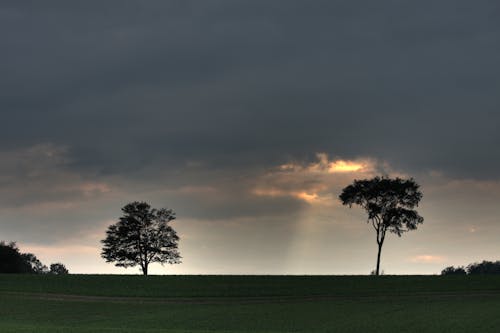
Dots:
(485, 267)
(141, 236)
(453, 271)
(36, 265)
(389, 204)
(12, 260)
(58, 269)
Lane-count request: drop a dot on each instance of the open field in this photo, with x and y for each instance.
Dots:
(100, 303)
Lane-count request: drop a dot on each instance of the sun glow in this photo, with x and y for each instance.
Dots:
(302, 195)
(428, 259)
(269, 192)
(307, 196)
(311, 182)
(344, 166)
(325, 165)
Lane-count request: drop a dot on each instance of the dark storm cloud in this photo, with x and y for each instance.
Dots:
(248, 84)
(217, 110)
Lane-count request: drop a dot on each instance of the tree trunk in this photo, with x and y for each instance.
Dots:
(377, 272)
(145, 269)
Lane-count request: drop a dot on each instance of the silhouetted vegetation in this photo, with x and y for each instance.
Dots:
(13, 261)
(374, 272)
(485, 267)
(453, 271)
(58, 269)
(142, 236)
(389, 204)
(36, 265)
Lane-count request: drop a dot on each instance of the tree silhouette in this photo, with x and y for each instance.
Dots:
(389, 204)
(450, 270)
(141, 236)
(58, 269)
(12, 260)
(36, 265)
(485, 267)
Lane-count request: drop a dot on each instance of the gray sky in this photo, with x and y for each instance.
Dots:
(248, 118)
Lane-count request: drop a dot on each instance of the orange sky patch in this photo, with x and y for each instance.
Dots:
(345, 166)
(310, 182)
(428, 259)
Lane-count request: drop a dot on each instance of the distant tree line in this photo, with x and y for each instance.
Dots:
(12, 260)
(485, 267)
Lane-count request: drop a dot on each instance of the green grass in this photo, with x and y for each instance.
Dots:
(243, 286)
(30, 303)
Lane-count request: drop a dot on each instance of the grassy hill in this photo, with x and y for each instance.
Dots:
(119, 303)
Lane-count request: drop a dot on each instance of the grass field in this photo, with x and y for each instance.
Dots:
(105, 303)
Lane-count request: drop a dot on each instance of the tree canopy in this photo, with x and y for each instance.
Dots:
(450, 270)
(58, 269)
(485, 267)
(13, 261)
(35, 264)
(389, 204)
(142, 236)
(477, 268)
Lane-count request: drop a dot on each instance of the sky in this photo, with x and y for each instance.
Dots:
(247, 118)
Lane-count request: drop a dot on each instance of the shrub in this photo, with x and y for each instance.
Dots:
(453, 271)
(485, 267)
